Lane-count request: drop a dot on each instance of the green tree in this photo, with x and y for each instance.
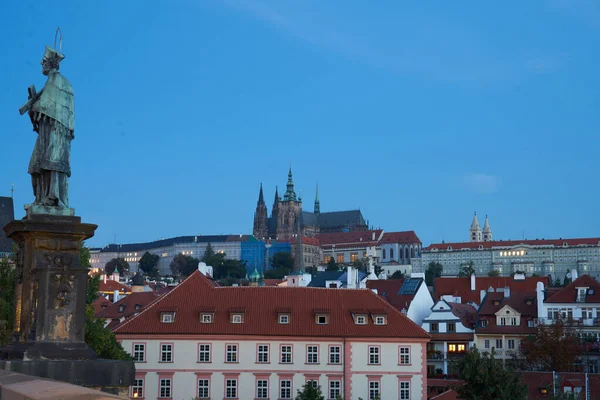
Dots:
(309, 392)
(235, 269)
(8, 279)
(567, 280)
(283, 259)
(378, 270)
(494, 272)
(486, 378)
(434, 270)
(277, 273)
(118, 264)
(148, 264)
(183, 266)
(467, 270)
(332, 265)
(397, 275)
(213, 259)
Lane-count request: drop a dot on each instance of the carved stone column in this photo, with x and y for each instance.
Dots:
(51, 292)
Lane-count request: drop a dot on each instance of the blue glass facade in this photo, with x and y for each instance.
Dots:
(254, 253)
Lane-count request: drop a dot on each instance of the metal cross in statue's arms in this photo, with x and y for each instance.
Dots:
(33, 96)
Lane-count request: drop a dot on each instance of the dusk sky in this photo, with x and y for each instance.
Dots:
(419, 114)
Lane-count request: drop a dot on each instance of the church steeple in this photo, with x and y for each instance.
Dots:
(475, 231)
(487, 230)
(275, 209)
(317, 204)
(260, 229)
(290, 194)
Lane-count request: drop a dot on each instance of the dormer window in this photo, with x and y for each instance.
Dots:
(484, 323)
(237, 318)
(361, 320)
(121, 308)
(322, 319)
(380, 320)
(284, 318)
(138, 306)
(206, 318)
(581, 292)
(167, 317)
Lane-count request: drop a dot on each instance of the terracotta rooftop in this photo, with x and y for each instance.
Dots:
(461, 287)
(261, 305)
(524, 303)
(389, 289)
(272, 282)
(511, 243)
(568, 294)
(362, 238)
(100, 304)
(313, 241)
(400, 237)
(127, 306)
(447, 395)
(111, 286)
(466, 312)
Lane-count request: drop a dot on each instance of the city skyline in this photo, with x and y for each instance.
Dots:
(419, 121)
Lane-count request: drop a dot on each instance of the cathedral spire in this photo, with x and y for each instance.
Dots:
(260, 228)
(475, 231)
(261, 199)
(487, 230)
(290, 194)
(317, 203)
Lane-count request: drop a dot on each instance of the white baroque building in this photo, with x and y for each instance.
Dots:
(203, 341)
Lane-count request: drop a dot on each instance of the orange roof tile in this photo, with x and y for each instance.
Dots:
(461, 287)
(400, 237)
(568, 294)
(510, 243)
(111, 286)
(196, 293)
(129, 304)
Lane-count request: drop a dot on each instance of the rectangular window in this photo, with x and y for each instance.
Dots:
(231, 388)
(404, 390)
(313, 383)
(204, 353)
(335, 355)
(285, 389)
(513, 321)
(166, 353)
(340, 258)
(434, 327)
(498, 343)
(232, 353)
(374, 390)
(322, 319)
(404, 355)
(167, 318)
(206, 318)
(286, 354)
(165, 388)
(263, 353)
(262, 389)
(284, 319)
(335, 389)
(451, 327)
(137, 389)
(203, 389)
(451, 348)
(236, 318)
(361, 320)
(511, 343)
(461, 347)
(353, 257)
(502, 321)
(139, 352)
(312, 354)
(379, 320)
(374, 355)
(486, 343)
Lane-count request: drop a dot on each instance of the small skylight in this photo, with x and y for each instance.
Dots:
(284, 319)
(167, 317)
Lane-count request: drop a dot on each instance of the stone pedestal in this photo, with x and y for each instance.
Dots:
(52, 288)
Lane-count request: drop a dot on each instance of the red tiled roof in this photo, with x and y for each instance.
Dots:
(272, 282)
(458, 337)
(164, 290)
(388, 289)
(312, 241)
(447, 395)
(461, 287)
(129, 302)
(466, 312)
(535, 381)
(100, 304)
(516, 301)
(362, 238)
(400, 237)
(568, 294)
(511, 243)
(111, 286)
(196, 293)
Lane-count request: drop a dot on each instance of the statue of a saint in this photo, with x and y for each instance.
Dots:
(52, 114)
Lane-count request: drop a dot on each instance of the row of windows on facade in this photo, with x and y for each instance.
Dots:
(503, 321)
(408, 253)
(500, 344)
(263, 353)
(261, 391)
(284, 318)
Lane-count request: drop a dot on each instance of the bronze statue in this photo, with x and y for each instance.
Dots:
(52, 114)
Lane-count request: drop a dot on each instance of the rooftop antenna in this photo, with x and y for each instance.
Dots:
(12, 191)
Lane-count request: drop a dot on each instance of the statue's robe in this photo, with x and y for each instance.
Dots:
(53, 119)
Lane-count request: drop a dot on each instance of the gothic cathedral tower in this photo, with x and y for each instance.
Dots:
(487, 231)
(475, 231)
(289, 211)
(260, 230)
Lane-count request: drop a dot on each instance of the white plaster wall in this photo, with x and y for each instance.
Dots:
(421, 305)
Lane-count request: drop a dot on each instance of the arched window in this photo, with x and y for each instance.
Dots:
(392, 253)
(384, 253)
(406, 253)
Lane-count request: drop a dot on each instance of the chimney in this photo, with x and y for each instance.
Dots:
(350, 280)
(482, 294)
(473, 282)
(104, 278)
(373, 236)
(540, 299)
(507, 292)
(574, 274)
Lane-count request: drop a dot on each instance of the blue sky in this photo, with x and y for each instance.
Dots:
(419, 114)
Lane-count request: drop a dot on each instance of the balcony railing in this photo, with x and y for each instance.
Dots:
(435, 355)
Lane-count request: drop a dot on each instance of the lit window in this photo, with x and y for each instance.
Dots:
(166, 353)
(165, 389)
(286, 354)
(335, 355)
(284, 319)
(231, 389)
(361, 320)
(335, 389)
(452, 348)
(263, 353)
(312, 354)
(231, 353)
(137, 389)
(374, 355)
(404, 355)
(203, 389)
(204, 353)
